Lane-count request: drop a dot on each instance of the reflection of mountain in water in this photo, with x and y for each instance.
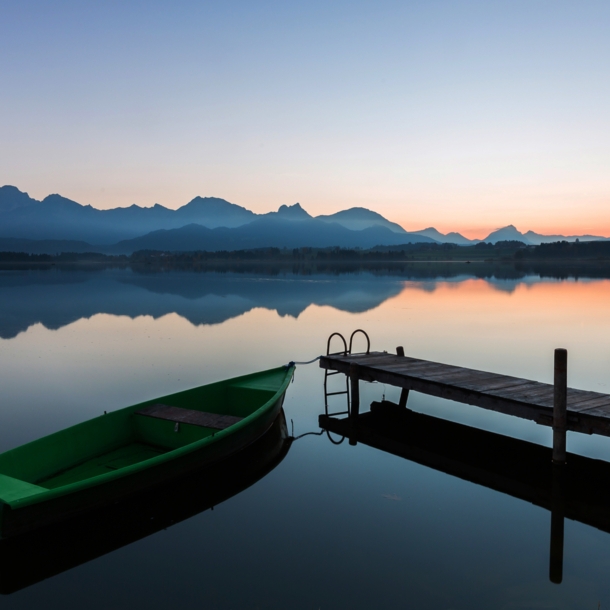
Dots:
(56, 297)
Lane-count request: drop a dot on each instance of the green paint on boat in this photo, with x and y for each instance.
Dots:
(125, 451)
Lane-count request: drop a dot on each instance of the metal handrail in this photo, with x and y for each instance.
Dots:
(345, 352)
(368, 341)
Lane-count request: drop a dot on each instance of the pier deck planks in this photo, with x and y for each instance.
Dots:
(588, 412)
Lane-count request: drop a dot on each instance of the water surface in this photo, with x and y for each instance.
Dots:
(330, 526)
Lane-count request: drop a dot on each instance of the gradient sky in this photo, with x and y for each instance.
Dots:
(461, 115)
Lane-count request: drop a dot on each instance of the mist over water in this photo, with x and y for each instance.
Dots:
(329, 526)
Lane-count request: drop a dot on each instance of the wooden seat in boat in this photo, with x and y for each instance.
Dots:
(189, 416)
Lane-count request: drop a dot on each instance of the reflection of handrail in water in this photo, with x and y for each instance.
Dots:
(518, 468)
(46, 552)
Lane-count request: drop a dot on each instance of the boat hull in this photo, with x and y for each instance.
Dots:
(21, 517)
(48, 551)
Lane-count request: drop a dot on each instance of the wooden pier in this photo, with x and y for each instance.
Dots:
(574, 489)
(570, 488)
(553, 405)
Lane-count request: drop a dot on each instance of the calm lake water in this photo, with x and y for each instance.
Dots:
(329, 526)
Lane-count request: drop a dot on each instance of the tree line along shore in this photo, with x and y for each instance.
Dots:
(503, 251)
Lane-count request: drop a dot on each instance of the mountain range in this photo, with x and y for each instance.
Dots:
(58, 224)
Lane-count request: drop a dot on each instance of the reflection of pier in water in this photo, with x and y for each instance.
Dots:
(43, 553)
(518, 468)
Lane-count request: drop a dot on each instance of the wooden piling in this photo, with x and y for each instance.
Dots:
(557, 525)
(404, 394)
(355, 401)
(560, 416)
(355, 390)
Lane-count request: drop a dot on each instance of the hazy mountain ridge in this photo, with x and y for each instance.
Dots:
(448, 238)
(511, 233)
(274, 232)
(58, 224)
(202, 224)
(59, 218)
(357, 219)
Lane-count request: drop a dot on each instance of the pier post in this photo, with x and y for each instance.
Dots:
(404, 394)
(557, 524)
(355, 401)
(355, 390)
(560, 406)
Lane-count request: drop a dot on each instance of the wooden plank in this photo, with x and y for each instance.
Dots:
(407, 362)
(190, 416)
(418, 371)
(531, 389)
(410, 362)
(370, 358)
(532, 394)
(463, 376)
(453, 374)
(602, 412)
(584, 404)
(506, 389)
(435, 366)
(495, 386)
(597, 408)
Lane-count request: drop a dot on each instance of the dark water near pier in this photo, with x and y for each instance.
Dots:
(328, 526)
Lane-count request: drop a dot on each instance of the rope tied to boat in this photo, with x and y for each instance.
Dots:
(295, 362)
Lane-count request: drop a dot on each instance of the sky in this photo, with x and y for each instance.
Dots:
(465, 116)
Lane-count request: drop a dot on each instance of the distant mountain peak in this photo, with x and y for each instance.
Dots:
(9, 189)
(198, 201)
(450, 238)
(11, 198)
(359, 218)
(507, 233)
(295, 212)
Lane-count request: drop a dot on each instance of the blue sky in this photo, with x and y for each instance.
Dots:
(461, 115)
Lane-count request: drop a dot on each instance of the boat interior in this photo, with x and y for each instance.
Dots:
(132, 435)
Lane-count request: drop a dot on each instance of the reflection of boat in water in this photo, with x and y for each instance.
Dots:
(34, 556)
(521, 469)
(110, 456)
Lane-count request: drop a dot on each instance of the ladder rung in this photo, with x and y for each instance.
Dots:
(336, 393)
(334, 373)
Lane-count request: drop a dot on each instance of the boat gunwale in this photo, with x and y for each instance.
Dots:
(219, 435)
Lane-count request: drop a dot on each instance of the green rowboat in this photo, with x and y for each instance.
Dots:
(119, 453)
(47, 551)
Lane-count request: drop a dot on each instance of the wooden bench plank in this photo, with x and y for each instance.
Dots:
(189, 416)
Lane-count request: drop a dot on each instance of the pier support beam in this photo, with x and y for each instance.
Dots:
(355, 390)
(404, 394)
(560, 406)
(355, 401)
(557, 525)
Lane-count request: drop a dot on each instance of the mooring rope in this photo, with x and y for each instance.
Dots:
(293, 362)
